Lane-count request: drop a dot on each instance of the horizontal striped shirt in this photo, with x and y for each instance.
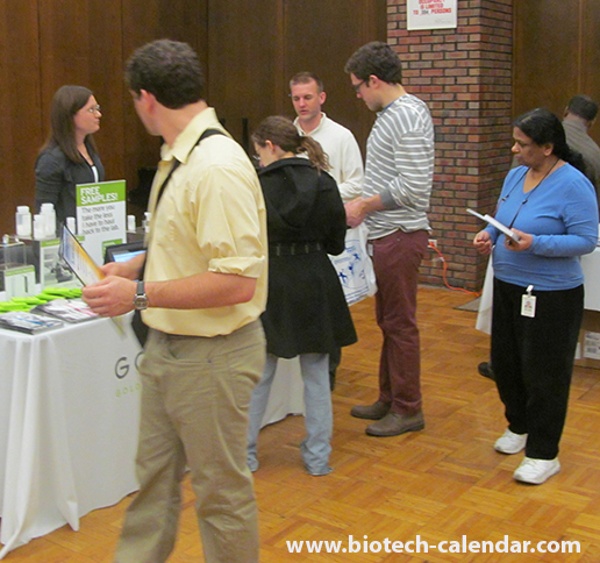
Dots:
(399, 167)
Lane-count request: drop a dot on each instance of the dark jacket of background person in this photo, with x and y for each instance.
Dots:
(306, 308)
(56, 177)
(579, 140)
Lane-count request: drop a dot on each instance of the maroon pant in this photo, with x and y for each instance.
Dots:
(396, 259)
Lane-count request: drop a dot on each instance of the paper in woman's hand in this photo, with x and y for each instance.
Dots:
(495, 223)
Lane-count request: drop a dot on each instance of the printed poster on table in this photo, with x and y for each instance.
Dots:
(430, 14)
(101, 216)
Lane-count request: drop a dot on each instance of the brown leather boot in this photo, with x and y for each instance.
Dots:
(375, 411)
(394, 424)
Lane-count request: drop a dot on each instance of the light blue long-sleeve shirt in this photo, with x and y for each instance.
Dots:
(562, 215)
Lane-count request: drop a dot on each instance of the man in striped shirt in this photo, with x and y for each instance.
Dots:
(395, 199)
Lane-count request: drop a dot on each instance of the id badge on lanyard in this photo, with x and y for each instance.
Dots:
(528, 303)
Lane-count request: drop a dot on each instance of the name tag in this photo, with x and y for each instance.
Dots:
(528, 303)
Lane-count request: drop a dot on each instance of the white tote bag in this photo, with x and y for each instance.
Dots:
(354, 266)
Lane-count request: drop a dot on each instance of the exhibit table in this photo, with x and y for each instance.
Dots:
(68, 427)
(69, 413)
(590, 263)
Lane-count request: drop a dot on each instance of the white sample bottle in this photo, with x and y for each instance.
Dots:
(146, 221)
(49, 215)
(71, 225)
(131, 223)
(39, 227)
(23, 221)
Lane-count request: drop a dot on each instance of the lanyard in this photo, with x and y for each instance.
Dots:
(528, 195)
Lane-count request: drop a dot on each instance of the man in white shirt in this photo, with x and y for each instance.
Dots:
(345, 159)
(340, 145)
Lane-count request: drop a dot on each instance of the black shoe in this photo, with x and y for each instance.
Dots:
(485, 369)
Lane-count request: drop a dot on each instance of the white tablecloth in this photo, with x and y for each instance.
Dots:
(69, 426)
(286, 392)
(590, 263)
(591, 271)
(69, 412)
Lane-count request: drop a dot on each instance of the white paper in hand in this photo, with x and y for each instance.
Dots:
(495, 223)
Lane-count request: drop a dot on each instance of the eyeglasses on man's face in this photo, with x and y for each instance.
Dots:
(357, 86)
(95, 109)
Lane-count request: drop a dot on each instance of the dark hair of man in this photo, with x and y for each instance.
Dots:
(282, 132)
(67, 101)
(375, 58)
(170, 70)
(583, 106)
(543, 127)
(306, 77)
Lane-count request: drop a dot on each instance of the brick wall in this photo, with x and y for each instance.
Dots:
(464, 75)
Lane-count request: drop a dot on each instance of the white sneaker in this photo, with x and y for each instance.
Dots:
(510, 443)
(536, 471)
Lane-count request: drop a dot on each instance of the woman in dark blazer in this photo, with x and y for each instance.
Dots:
(69, 156)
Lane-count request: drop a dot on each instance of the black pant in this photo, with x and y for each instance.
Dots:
(533, 362)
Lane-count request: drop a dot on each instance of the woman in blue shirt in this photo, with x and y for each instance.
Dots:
(538, 289)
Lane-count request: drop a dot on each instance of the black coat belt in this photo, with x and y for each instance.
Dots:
(294, 248)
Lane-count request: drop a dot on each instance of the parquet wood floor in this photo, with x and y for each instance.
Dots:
(443, 483)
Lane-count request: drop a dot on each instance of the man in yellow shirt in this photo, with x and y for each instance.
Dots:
(204, 288)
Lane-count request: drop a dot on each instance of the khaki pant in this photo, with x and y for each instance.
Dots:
(195, 397)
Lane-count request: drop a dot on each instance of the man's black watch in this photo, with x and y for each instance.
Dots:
(140, 301)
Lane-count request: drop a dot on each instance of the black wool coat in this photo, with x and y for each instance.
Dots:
(306, 308)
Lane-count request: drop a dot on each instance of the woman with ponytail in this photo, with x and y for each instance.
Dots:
(306, 313)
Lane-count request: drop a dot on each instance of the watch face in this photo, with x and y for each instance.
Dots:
(140, 301)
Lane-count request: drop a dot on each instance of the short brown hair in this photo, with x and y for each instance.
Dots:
(305, 77)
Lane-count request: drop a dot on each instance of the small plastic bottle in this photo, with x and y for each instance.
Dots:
(49, 215)
(23, 221)
(71, 225)
(39, 227)
(131, 223)
(146, 221)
